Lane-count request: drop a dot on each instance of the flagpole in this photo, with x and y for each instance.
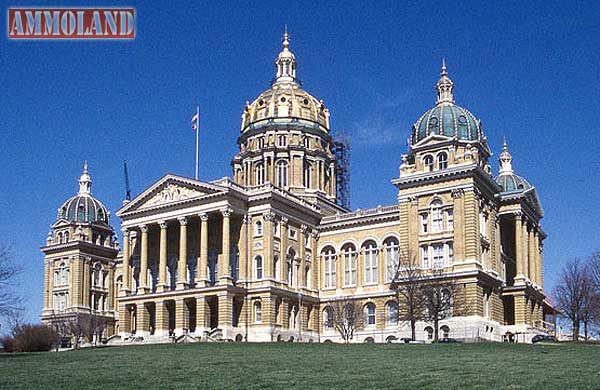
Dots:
(197, 132)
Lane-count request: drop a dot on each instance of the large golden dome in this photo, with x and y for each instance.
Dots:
(285, 101)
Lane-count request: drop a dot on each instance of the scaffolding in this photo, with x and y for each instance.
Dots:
(341, 150)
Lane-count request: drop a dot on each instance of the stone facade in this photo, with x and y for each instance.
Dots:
(261, 256)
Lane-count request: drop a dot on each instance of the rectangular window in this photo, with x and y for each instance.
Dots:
(483, 224)
(292, 234)
(450, 219)
(425, 256)
(424, 223)
(438, 256)
(437, 219)
(350, 269)
(450, 253)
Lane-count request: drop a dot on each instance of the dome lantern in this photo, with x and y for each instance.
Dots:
(85, 181)
(286, 62)
(505, 160)
(445, 87)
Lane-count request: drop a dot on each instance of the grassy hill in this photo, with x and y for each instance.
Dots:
(308, 366)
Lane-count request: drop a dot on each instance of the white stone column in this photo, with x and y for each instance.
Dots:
(203, 260)
(126, 264)
(182, 263)
(162, 260)
(143, 285)
(224, 274)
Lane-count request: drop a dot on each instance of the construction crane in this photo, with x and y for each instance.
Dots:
(127, 189)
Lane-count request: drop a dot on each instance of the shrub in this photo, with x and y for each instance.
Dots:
(30, 338)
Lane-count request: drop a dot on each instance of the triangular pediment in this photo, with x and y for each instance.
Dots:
(170, 190)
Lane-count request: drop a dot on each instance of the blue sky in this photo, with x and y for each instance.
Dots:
(528, 70)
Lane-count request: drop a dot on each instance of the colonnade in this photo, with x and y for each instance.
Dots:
(201, 277)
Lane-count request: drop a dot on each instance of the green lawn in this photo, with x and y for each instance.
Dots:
(308, 366)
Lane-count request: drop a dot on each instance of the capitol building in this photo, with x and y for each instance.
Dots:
(263, 255)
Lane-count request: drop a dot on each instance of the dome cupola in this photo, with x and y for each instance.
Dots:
(448, 119)
(507, 179)
(83, 207)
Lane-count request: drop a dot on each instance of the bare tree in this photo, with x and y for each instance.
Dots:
(407, 284)
(10, 302)
(594, 269)
(573, 294)
(346, 316)
(78, 327)
(437, 297)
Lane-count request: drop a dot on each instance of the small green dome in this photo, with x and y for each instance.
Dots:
(448, 120)
(83, 207)
(512, 183)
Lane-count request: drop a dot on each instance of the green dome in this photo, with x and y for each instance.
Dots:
(512, 183)
(83, 209)
(448, 120)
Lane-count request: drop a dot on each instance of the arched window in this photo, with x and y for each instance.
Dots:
(429, 331)
(307, 277)
(392, 313)
(370, 252)
(258, 267)
(328, 318)
(261, 142)
(66, 236)
(349, 253)
(291, 275)
(329, 265)
(370, 314)
(306, 177)
(445, 331)
(260, 174)
(258, 230)
(442, 160)
(391, 257)
(282, 174)
(59, 238)
(97, 274)
(437, 216)
(428, 162)
(257, 312)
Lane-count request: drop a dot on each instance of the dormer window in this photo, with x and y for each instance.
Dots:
(428, 162)
(261, 142)
(442, 160)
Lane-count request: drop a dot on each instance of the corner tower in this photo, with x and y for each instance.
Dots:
(79, 259)
(285, 138)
